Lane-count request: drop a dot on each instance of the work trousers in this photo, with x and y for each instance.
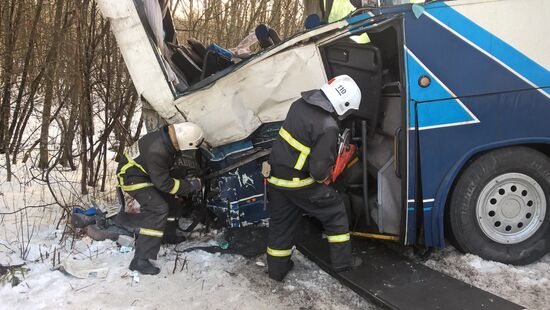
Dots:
(286, 209)
(152, 223)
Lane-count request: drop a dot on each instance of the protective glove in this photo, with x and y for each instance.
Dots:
(195, 184)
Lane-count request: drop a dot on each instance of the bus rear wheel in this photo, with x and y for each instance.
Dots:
(499, 206)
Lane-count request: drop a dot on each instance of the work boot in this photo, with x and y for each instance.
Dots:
(356, 263)
(278, 271)
(98, 234)
(112, 232)
(81, 220)
(143, 266)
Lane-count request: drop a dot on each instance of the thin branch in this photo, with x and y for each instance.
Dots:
(28, 207)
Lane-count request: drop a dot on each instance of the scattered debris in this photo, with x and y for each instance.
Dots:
(231, 273)
(84, 269)
(86, 286)
(135, 277)
(12, 274)
(126, 249)
(176, 263)
(223, 244)
(184, 264)
(125, 241)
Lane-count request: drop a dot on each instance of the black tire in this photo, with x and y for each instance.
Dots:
(467, 234)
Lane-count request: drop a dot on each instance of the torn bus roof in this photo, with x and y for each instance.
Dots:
(240, 102)
(234, 102)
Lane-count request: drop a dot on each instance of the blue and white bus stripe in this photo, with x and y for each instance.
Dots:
(502, 53)
(473, 119)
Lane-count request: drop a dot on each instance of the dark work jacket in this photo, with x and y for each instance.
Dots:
(157, 156)
(310, 120)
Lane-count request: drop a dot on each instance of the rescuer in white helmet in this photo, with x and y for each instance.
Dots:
(146, 177)
(301, 159)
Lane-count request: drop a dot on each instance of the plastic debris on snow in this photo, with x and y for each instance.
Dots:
(84, 269)
(135, 277)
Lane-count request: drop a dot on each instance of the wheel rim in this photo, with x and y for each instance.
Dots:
(511, 208)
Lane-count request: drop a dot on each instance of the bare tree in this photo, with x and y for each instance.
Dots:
(228, 22)
(11, 17)
(60, 69)
(50, 76)
(26, 67)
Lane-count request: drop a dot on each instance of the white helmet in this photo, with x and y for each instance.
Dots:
(189, 135)
(343, 93)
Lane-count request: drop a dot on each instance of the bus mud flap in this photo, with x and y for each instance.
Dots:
(392, 281)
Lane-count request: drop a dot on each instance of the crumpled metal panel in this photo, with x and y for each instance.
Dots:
(140, 58)
(261, 92)
(232, 107)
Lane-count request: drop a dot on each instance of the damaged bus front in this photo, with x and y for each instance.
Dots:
(448, 90)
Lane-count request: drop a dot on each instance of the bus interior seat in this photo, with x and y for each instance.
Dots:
(190, 63)
(212, 63)
(266, 36)
(153, 21)
(198, 49)
(183, 59)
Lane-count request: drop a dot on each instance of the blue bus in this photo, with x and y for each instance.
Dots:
(452, 134)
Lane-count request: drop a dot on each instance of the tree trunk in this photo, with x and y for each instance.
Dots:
(25, 72)
(50, 75)
(11, 17)
(71, 127)
(79, 76)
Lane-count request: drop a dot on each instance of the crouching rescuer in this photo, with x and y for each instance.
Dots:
(302, 158)
(146, 177)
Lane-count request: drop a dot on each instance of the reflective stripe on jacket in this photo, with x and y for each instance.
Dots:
(120, 175)
(306, 148)
(152, 166)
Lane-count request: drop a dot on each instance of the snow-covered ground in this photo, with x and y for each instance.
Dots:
(206, 281)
